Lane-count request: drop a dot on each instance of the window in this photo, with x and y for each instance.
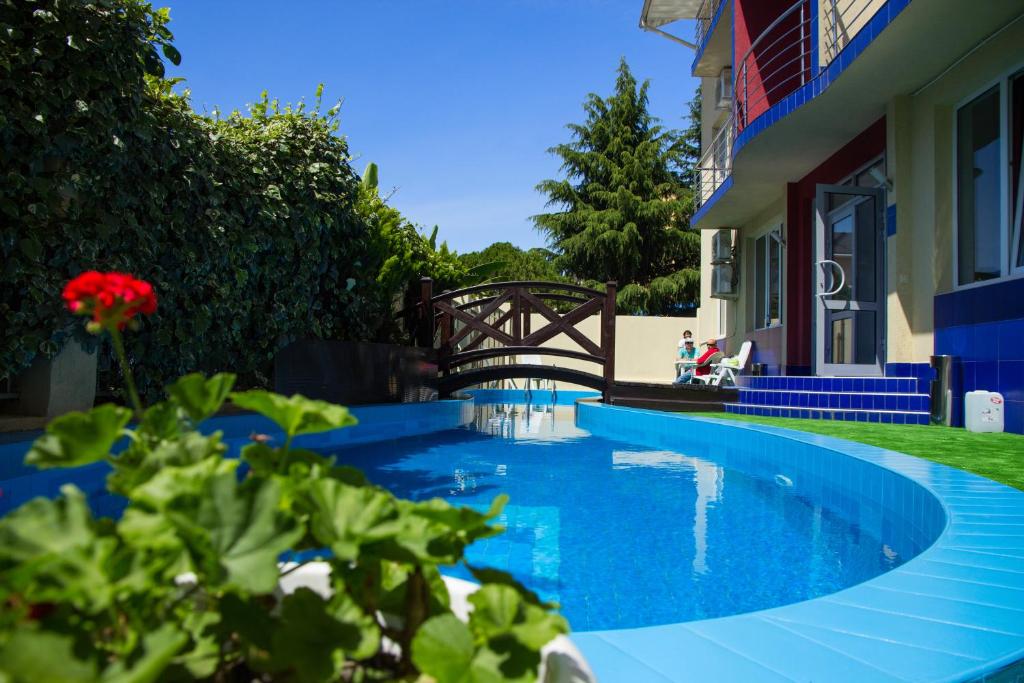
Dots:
(1016, 157)
(768, 280)
(978, 189)
(988, 184)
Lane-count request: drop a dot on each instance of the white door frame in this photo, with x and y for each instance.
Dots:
(829, 278)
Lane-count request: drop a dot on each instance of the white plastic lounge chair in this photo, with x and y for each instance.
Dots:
(725, 371)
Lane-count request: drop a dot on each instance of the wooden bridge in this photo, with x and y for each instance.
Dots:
(471, 327)
(485, 322)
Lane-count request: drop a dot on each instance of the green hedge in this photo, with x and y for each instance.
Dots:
(249, 227)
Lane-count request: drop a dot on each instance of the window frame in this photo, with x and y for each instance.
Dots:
(773, 238)
(1009, 236)
(1015, 209)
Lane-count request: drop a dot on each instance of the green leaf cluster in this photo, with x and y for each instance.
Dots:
(185, 585)
(623, 209)
(407, 254)
(505, 261)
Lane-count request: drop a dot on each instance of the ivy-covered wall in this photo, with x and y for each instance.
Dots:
(247, 225)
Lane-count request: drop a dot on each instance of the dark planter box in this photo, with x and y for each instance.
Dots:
(356, 373)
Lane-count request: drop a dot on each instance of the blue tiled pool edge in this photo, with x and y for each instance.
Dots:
(955, 612)
(19, 483)
(544, 396)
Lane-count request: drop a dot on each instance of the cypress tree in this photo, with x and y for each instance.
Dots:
(690, 143)
(623, 208)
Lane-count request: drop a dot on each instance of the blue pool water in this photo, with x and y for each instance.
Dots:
(624, 536)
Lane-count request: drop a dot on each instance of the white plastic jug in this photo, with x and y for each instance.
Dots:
(983, 411)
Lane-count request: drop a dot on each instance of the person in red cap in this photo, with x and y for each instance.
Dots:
(710, 356)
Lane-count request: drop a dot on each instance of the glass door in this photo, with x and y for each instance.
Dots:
(849, 269)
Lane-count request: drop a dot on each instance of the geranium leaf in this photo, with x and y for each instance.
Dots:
(247, 531)
(498, 576)
(32, 655)
(312, 630)
(295, 414)
(79, 438)
(164, 459)
(47, 527)
(160, 421)
(200, 397)
(539, 627)
(171, 483)
(443, 649)
(159, 647)
(495, 609)
(346, 516)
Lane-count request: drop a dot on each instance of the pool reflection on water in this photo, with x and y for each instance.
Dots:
(623, 536)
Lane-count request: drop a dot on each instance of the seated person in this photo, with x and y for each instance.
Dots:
(682, 342)
(687, 351)
(704, 363)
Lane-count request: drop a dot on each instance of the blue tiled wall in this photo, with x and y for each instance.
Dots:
(922, 372)
(983, 328)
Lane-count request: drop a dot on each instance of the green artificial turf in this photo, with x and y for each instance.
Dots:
(996, 456)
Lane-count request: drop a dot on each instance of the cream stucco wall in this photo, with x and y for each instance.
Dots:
(920, 165)
(645, 346)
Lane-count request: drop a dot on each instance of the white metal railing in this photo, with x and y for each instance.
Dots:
(777, 62)
(705, 15)
(715, 164)
(842, 20)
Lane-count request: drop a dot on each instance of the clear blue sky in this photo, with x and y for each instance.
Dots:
(456, 100)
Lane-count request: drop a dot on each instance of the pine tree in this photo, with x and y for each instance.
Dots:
(690, 143)
(624, 209)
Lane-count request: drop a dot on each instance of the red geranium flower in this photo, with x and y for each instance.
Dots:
(111, 298)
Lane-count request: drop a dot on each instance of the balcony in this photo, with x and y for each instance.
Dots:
(778, 61)
(705, 17)
(716, 164)
(841, 21)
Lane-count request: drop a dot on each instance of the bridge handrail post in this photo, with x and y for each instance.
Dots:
(425, 329)
(608, 338)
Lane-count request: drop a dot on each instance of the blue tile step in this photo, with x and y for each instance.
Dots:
(836, 399)
(850, 415)
(907, 385)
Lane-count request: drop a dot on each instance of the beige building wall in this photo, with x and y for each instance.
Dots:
(920, 166)
(645, 346)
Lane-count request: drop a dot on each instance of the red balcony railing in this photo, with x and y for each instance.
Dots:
(777, 62)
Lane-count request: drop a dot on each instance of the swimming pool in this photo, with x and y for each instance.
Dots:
(952, 612)
(623, 535)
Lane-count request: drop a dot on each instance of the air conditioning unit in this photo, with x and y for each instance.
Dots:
(723, 282)
(721, 246)
(723, 89)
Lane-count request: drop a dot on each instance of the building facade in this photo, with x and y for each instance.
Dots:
(860, 198)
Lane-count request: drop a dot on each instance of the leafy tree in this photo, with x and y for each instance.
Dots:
(403, 255)
(512, 263)
(623, 209)
(690, 142)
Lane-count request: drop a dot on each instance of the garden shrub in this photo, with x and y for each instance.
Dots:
(247, 224)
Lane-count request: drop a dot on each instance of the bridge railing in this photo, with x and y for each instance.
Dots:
(494, 320)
